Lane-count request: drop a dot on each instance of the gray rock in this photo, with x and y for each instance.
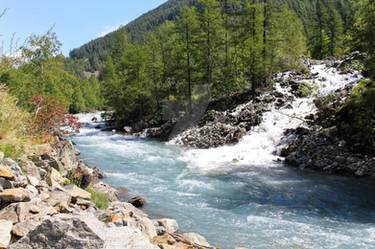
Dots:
(6, 184)
(9, 213)
(5, 236)
(127, 237)
(77, 192)
(196, 239)
(17, 171)
(34, 181)
(23, 228)
(1, 156)
(29, 167)
(61, 232)
(169, 225)
(107, 190)
(58, 199)
(68, 157)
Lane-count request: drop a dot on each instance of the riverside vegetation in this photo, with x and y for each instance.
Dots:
(214, 54)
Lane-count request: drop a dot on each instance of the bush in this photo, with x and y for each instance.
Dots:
(49, 117)
(100, 200)
(356, 119)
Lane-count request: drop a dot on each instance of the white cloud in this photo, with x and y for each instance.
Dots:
(110, 28)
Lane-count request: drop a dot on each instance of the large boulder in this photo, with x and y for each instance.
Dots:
(5, 236)
(63, 232)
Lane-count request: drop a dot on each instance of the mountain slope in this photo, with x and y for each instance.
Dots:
(97, 50)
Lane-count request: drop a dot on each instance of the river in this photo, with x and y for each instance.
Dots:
(240, 195)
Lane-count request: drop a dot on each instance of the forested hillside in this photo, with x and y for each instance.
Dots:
(314, 14)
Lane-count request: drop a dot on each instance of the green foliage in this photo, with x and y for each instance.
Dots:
(13, 120)
(74, 179)
(357, 117)
(366, 33)
(42, 70)
(97, 50)
(100, 200)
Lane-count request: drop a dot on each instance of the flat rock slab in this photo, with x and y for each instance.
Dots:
(15, 195)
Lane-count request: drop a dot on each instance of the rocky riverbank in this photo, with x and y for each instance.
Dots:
(51, 199)
(319, 143)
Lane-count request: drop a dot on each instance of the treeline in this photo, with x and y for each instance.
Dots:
(325, 22)
(224, 47)
(39, 68)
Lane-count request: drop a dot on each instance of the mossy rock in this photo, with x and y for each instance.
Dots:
(356, 119)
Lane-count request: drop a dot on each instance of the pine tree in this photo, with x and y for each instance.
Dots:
(336, 33)
(320, 45)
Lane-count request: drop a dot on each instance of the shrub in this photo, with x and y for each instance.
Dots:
(49, 117)
(100, 200)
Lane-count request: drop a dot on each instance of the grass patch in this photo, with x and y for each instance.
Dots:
(100, 200)
(11, 150)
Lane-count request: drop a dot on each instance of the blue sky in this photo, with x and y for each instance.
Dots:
(76, 21)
